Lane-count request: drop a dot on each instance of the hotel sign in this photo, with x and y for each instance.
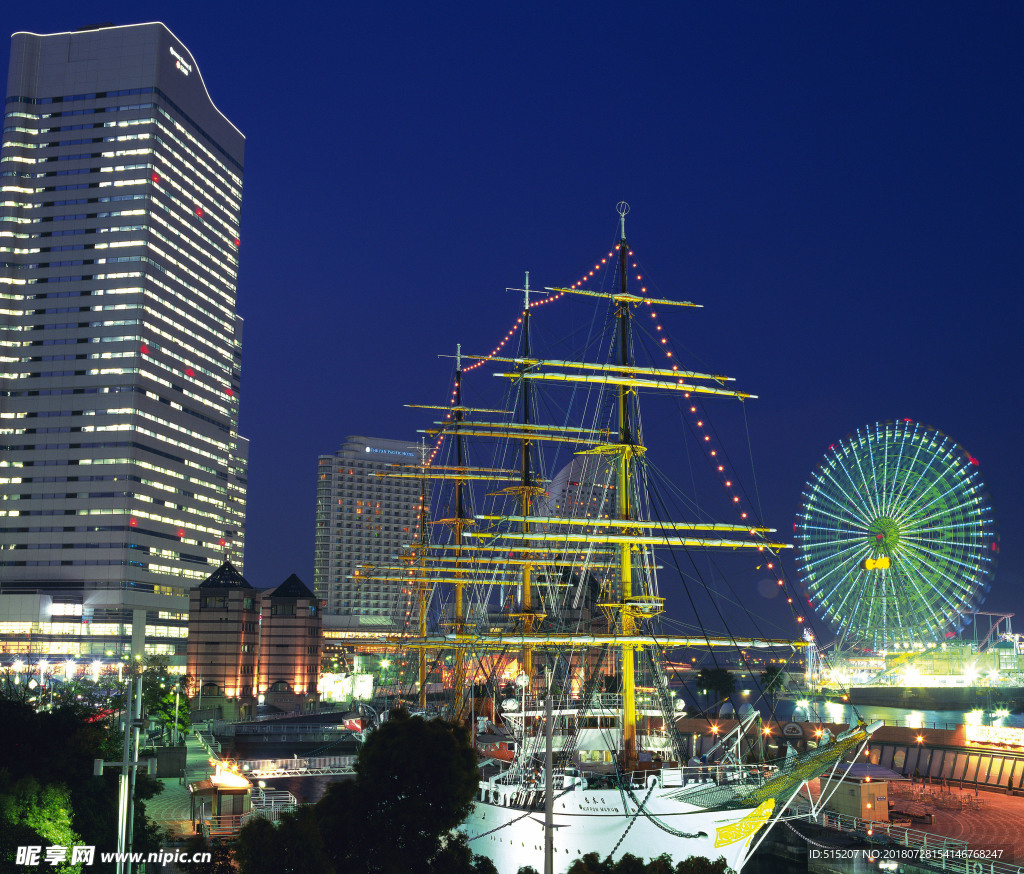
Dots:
(995, 734)
(180, 62)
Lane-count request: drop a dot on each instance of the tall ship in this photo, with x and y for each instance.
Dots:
(534, 595)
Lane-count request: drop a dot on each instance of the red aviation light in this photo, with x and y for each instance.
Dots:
(133, 522)
(238, 242)
(230, 392)
(199, 211)
(189, 371)
(155, 176)
(181, 532)
(144, 349)
(222, 542)
(972, 459)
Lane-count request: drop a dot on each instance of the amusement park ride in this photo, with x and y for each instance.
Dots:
(896, 549)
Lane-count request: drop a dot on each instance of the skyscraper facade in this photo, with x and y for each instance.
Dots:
(122, 473)
(364, 520)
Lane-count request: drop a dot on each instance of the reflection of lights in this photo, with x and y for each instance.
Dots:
(973, 718)
(914, 719)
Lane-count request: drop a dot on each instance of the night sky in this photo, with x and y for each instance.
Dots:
(840, 185)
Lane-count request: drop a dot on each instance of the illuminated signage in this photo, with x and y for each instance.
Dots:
(377, 451)
(995, 734)
(180, 62)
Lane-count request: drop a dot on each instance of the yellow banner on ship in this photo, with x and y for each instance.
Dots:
(729, 834)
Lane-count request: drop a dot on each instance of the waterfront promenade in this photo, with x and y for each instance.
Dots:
(172, 808)
(991, 822)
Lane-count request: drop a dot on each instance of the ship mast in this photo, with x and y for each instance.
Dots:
(422, 590)
(627, 450)
(458, 524)
(527, 490)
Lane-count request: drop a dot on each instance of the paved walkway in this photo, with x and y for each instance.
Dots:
(172, 808)
(997, 826)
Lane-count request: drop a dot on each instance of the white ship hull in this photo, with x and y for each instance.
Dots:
(594, 821)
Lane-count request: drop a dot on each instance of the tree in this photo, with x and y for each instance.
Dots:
(415, 782)
(221, 861)
(294, 846)
(701, 865)
(591, 863)
(55, 751)
(716, 680)
(165, 696)
(773, 682)
(34, 814)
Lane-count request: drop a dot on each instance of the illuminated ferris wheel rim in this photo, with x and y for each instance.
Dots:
(895, 538)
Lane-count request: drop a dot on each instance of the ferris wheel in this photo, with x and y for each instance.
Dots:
(895, 538)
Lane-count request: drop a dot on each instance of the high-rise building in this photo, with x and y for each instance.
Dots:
(364, 520)
(122, 474)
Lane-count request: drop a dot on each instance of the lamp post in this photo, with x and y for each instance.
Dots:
(126, 780)
(175, 732)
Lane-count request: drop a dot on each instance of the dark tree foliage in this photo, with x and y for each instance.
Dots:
(294, 846)
(700, 865)
(415, 782)
(591, 863)
(716, 681)
(48, 756)
(773, 682)
(221, 858)
(33, 814)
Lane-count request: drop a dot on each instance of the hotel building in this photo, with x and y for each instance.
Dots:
(364, 520)
(122, 473)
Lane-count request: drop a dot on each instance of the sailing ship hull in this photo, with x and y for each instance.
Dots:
(605, 822)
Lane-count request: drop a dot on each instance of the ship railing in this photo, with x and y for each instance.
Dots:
(687, 775)
(529, 793)
(602, 701)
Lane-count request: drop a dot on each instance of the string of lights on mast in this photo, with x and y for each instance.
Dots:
(698, 415)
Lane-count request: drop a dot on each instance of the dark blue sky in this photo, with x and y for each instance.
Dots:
(839, 185)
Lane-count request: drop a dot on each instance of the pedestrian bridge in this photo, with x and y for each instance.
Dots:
(319, 766)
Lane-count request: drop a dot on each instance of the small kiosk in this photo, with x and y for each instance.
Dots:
(219, 801)
(863, 791)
